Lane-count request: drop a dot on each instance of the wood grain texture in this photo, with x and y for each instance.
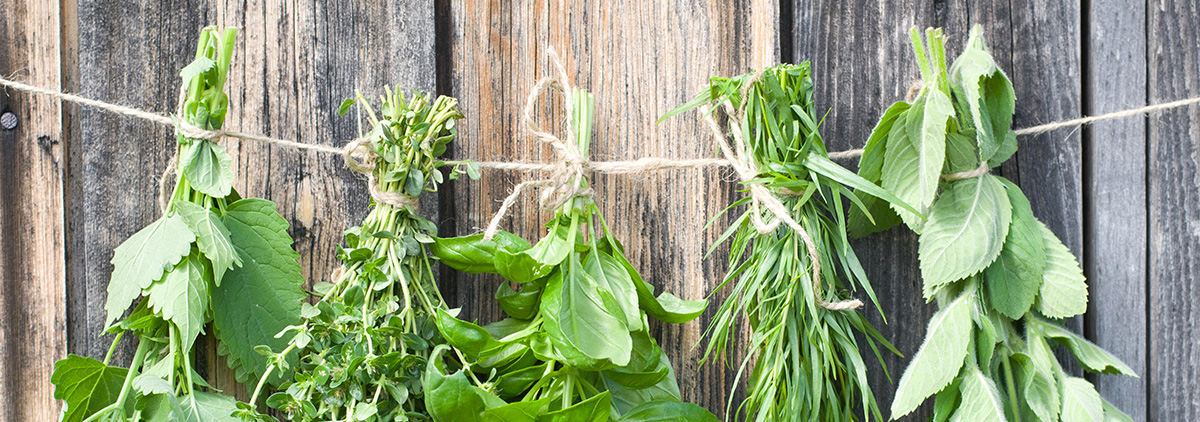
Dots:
(294, 63)
(640, 59)
(1115, 194)
(1174, 178)
(863, 62)
(33, 308)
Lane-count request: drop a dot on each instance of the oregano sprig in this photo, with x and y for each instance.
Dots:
(807, 361)
(1000, 276)
(212, 257)
(364, 346)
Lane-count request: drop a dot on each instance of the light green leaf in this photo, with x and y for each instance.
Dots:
(1087, 353)
(938, 360)
(208, 407)
(585, 320)
(182, 298)
(196, 67)
(1112, 414)
(912, 166)
(870, 167)
(1012, 282)
(1038, 388)
(966, 231)
(1080, 401)
(1064, 290)
(143, 258)
(668, 411)
(624, 399)
(611, 276)
(85, 385)
(980, 399)
(211, 236)
(263, 296)
(207, 169)
(961, 153)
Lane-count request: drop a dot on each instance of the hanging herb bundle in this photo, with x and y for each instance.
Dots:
(808, 361)
(1000, 276)
(364, 345)
(212, 257)
(576, 345)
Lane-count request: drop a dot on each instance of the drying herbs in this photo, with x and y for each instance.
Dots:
(806, 359)
(576, 344)
(212, 257)
(999, 275)
(364, 346)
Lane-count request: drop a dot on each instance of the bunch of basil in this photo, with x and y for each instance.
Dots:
(576, 345)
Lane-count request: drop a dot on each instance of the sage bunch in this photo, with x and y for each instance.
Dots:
(1001, 277)
(213, 262)
(803, 360)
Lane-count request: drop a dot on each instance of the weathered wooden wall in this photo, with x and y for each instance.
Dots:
(75, 182)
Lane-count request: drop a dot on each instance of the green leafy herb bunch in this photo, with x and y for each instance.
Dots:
(363, 347)
(1000, 276)
(576, 345)
(805, 354)
(213, 257)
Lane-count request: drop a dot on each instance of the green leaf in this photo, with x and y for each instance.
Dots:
(1038, 387)
(1087, 353)
(182, 298)
(211, 236)
(594, 409)
(664, 411)
(965, 233)
(980, 399)
(345, 107)
(264, 295)
(969, 72)
(1080, 401)
(611, 276)
(452, 398)
(208, 407)
(85, 386)
(585, 321)
(1012, 282)
(1112, 414)
(625, 399)
(207, 169)
(916, 153)
(471, 339)
(474, 255)
(143, 258)
(196, 67)
(938, 360)
(870, 167)
(961, 153)
(666, 307)
(1064, 290)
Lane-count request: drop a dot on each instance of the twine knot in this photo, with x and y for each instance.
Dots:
(360, 157)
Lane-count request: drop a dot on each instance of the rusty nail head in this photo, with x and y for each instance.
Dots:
(8, 120)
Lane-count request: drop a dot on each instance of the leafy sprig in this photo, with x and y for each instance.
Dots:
(999, 275)
(576, 345)
(364, 346)
(212, 257)
(807, 363)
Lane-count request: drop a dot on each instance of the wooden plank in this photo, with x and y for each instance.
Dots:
(863, 62)
(1174, 178)
(1114, 191)
(32, 226)
(293, 65)
(641, 59)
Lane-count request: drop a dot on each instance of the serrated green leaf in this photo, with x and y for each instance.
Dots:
(980, 399)
(965, 233)
(1087, 353)
(968, 72)
(211, 237)
(913, 163)
(85, 385)
(143, 258)
(1038, 388)
(182, 298)
(961, 153)
(1080, 401)
(196, 67)
(870, 167)
(1064, 290)
(207, 169)
(938, 360)
(1112, 414)
(208, 407)
(264, 295)
(1012, 282)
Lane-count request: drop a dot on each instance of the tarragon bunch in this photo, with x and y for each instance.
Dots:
(363, 347)
(577, 344)
(1000, 276)
(212, 257)
(807, 361)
